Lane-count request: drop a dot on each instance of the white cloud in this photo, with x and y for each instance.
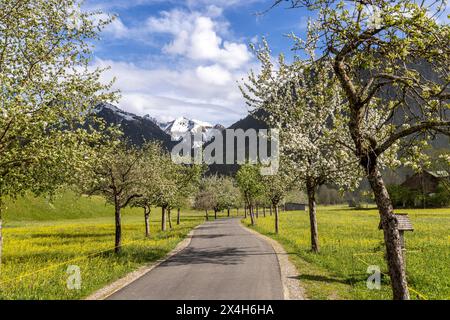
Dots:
(214, 74)
(116, 28)
(195, 36)
(197, 81)
(208, 93)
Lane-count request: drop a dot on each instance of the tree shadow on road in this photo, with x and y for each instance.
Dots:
(209, 236)
(350, 279)
(221, 256)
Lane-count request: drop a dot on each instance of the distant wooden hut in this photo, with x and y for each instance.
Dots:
(425, 182)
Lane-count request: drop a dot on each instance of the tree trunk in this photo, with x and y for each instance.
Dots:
(245, 211)
(252, 215)
(1, 235)
(392, 241)
(163, 218)
(228, 212)
(277, 217)
(206, 215)
(118, 239)
(311, 191)
(147, 222)
(257, 211)
(270, 210)
(264, 211)
(169, 218)
(215, 214)
(178, 216)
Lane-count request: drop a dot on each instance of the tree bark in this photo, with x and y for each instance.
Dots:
(392, 241)
(178, 216)
(228, 212)
(252, 215)
(277, 218)
(147, 222)
(270, 210)
(311, 191)
(206, 215)
(245, 211)
(368, 160)
(163, 218)
(264, 211)
(215, 214)
(257, 211)
(169, 218)
(1, 234)
(118, 238)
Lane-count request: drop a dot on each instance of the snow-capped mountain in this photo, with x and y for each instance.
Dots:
(181, 126)
(116, 111)
(145, 128)
(135, 128)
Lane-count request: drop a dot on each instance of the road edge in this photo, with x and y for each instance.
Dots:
(292, 289)
(117, 285)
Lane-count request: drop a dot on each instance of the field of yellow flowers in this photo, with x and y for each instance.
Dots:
(350, 242)
(72, 231)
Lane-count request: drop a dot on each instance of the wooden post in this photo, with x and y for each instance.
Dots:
(402, 239)
(403, 224)
(402, 243)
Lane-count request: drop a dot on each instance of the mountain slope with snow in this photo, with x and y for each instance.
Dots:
(135, 128)
(181, 126)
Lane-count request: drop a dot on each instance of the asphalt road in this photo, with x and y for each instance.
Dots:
(223, 261)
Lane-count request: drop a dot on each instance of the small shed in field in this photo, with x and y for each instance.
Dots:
(292, 206)
(425, 182)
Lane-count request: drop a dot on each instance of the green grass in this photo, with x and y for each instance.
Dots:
(64, 205)
(74, 231)
(350, 240)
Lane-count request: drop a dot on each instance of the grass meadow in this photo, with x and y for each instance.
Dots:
(350, 241)
(43, 237)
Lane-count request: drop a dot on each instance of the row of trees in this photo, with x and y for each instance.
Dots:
(249, 190)
(217, 193)
(143, 177)
(48, 137)
(374, 97)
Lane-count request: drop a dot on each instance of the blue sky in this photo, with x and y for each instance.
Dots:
(183, 58)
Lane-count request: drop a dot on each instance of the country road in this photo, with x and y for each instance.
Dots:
(223, 261)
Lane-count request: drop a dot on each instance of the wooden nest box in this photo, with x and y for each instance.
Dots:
(403, 224)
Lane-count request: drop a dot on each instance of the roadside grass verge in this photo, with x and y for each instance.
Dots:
(350, 241)
(37, 253)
